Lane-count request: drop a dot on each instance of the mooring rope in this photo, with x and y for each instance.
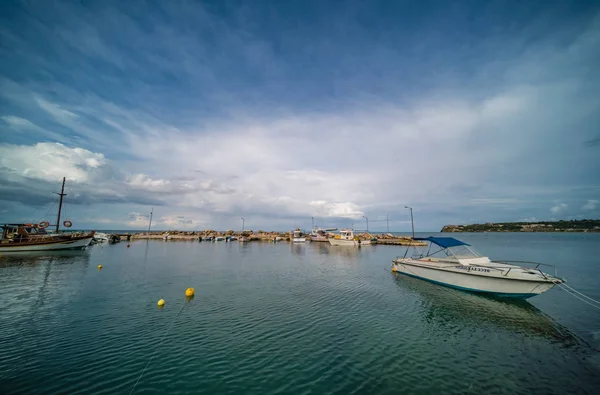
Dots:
(156, 349)
(579, 293)
(573, 292)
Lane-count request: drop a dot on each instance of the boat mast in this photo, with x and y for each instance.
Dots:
(61, 194)
(150, 223)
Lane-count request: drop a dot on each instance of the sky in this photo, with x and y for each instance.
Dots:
(276, 112)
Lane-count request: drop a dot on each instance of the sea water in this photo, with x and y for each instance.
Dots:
(281, 318)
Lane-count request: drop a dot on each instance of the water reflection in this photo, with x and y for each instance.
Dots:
(39, 257)
(298, 248)
(245, 247)
(450, 309)
(340, 251)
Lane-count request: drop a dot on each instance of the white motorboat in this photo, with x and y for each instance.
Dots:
(347, 238)
(298, 236)
(457, 265)
(101, 237)
(321, 235)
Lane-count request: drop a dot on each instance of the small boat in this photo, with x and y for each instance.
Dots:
(321, 235)
(100, 237)
(347, 238)
(219, 238)
(457, 265)
(298, 236)
(243, 239)
(35, 237)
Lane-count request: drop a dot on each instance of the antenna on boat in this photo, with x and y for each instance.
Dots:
(150, 223)
(61, 194)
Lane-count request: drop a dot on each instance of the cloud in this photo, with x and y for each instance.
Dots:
(593, 142)
(50, 161)
(25, 126)
(142, 181)
(212, 117)
(591, 205)
(559, 208)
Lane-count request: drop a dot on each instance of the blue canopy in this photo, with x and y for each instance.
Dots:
(444, 242)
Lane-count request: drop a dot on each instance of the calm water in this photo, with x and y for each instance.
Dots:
(291, 319)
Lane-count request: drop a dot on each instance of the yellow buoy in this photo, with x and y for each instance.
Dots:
(161, 303)
(189, 292)
(99, 266)
(394, 269)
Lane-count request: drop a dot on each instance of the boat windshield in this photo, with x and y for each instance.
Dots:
(458, 252)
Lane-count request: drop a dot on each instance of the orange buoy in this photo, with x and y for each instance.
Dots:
(128, 245)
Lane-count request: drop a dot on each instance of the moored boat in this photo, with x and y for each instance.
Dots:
(101, 237)
(347, 238)
(298, 236)
(457, 265)
(321, 235)
(35, 237)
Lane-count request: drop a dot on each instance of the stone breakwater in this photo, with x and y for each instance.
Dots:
(257, 236)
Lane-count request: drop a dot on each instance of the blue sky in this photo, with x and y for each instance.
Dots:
(281, 111)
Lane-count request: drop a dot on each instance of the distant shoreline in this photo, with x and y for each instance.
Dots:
(582, 225)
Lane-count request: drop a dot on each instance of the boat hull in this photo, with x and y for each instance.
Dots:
(319, 238)
(299, 240)
(64, 244)
(503, 287)
(349, 243)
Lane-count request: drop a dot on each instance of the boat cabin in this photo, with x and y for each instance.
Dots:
(21, 232)
(298, 234)
(322, 232)
(345, 234)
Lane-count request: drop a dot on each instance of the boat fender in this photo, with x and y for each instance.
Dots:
(44, 224)
(358, 241)
(67, 224)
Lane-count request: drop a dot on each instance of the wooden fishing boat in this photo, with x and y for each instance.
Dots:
(35, 237)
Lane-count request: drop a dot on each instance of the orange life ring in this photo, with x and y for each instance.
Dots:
(44, 224)
(67, 224)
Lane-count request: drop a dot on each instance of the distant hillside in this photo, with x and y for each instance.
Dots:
(582, 225)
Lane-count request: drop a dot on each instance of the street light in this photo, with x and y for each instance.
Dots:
(367, 219)
(411, 221)
(313, 222)
(242, 224)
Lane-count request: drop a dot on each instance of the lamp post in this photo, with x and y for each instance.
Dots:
(366, 219)
(242, 224)
(411, 221)
(313, 222)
